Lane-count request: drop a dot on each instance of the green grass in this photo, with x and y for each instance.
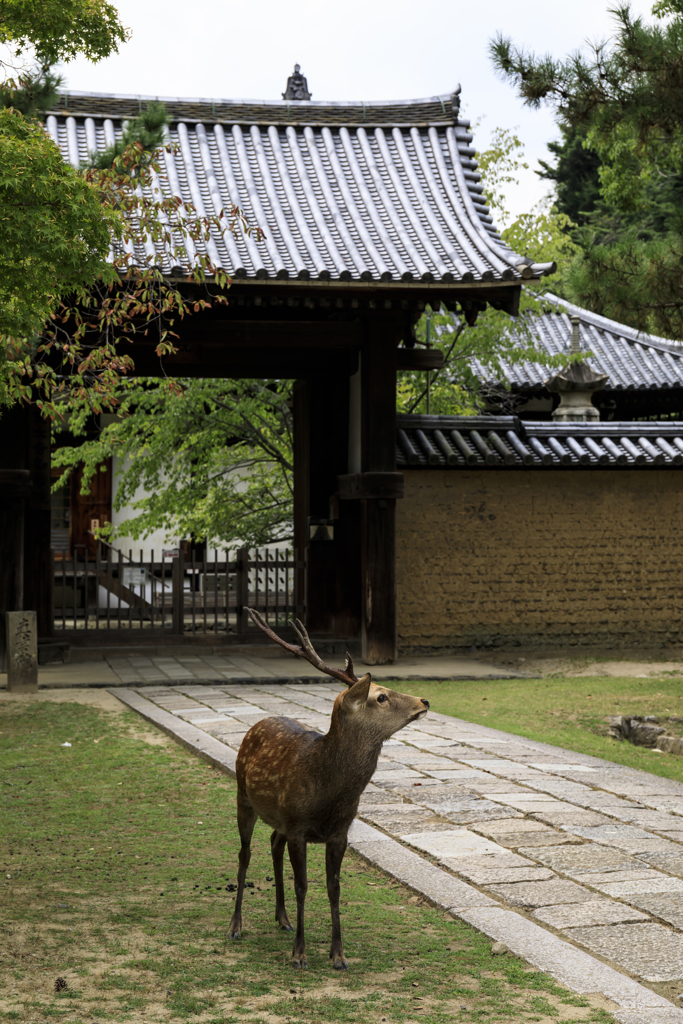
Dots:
(115, 858)
(567, 711)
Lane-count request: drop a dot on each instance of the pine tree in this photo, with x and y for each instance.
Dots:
(624, 99)
(147, 132)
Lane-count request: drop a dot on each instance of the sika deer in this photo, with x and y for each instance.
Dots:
(307, 786)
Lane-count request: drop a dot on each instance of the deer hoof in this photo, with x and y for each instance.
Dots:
(235, 936)
(341, 964)
(300, 963)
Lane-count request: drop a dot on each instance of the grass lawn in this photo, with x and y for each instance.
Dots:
(568, 711)
(118, 859)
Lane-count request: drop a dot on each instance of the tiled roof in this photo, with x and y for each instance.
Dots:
(351, 192)
(632, 360)
(434, 110)
(506, 442)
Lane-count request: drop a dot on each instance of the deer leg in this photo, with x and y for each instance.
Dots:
(334, 854)
(297, 856)
(278, 841)
(246, 819)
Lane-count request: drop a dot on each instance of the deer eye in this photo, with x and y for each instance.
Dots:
(382, 699)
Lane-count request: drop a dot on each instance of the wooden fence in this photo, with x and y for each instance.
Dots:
(173, 594)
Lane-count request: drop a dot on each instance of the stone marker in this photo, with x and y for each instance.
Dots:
(22, 652)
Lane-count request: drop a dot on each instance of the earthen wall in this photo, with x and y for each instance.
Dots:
(588, 558)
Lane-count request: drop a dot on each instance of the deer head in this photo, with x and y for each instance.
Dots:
(379, 710)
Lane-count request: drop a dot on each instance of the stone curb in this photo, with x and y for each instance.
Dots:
(572, 967)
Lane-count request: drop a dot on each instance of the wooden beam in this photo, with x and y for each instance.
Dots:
(370, 485)
(419, 358)
(274, 334)
(234, 364)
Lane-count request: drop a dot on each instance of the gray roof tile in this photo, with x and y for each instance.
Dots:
(631, 359)
(506, 442)
(373, 191)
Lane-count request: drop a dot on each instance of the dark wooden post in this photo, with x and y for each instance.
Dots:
(15, 488)
(242, 590)
(328, 448)
(378, 514)
(321, 442)
(38, 565)
(302, 481)
(179, 592)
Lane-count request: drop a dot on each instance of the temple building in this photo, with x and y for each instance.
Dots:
(421, 533)
(370, 211)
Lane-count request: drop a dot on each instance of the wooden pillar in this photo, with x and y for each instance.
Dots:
(347, 575)
(38, 569)
(320, 456)
(14, 488)
(14, 491)
(301, 479)
(378, 572)
(378, 514)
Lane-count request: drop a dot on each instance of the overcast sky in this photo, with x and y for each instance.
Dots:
(356, 50)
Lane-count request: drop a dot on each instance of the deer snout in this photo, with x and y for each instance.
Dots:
(425, 702)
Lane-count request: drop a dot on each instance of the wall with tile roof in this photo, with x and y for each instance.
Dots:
(506, 442)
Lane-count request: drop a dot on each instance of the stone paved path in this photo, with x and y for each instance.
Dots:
(589, 851)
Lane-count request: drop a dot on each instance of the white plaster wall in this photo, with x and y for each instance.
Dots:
(155, 542)
(159, 540)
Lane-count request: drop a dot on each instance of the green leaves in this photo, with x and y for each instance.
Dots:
(33, 93)
(59, 30)
(54, 232)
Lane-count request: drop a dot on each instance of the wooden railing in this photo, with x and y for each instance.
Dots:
(173, 594)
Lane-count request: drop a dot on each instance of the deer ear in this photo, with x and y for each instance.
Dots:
(358, 693)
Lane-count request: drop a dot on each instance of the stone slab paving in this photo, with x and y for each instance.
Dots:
(492, 828)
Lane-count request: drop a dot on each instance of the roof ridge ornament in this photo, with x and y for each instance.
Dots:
(297, 86)
(455, 102)
(575, 343)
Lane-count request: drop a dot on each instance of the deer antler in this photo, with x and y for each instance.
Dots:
(306, 650)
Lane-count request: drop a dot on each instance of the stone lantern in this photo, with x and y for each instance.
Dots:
(575, 385)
